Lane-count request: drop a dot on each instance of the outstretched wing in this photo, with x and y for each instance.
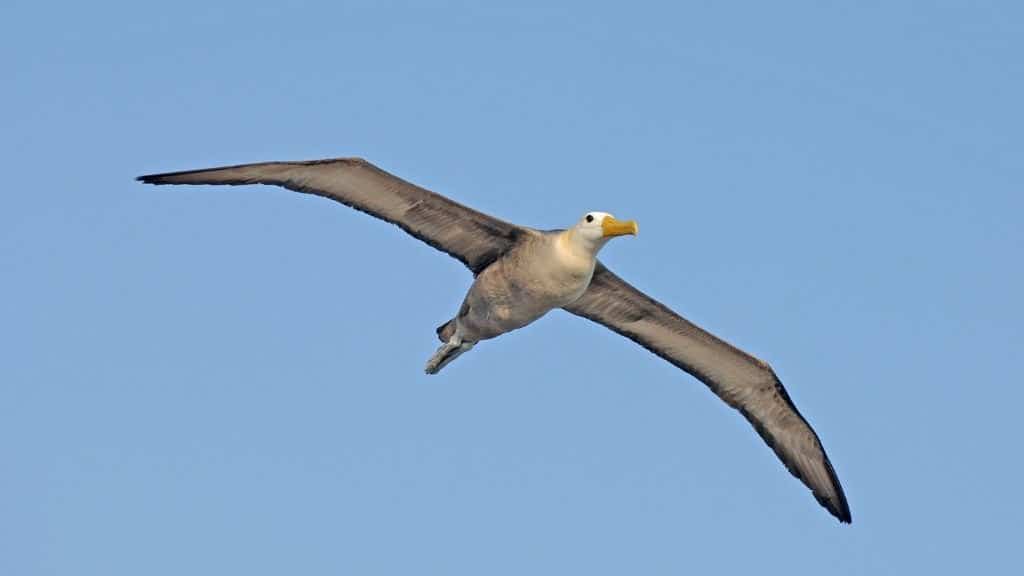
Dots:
(741, 380)
(472, 237)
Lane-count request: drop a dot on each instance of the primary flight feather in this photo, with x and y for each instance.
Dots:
(521, 274)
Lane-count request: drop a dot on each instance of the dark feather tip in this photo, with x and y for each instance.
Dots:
(149, 179)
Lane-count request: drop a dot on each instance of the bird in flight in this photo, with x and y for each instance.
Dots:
(521, 273)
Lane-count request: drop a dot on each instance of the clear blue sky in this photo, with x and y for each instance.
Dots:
(212, 381)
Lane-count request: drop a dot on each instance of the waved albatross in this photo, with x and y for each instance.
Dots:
(521, 274)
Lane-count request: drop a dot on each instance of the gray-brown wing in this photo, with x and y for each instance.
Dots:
(743, 381)
(472, 237)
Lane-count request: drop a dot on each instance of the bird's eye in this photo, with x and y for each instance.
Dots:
(590, 217)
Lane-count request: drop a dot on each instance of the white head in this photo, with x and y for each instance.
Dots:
(596, 228)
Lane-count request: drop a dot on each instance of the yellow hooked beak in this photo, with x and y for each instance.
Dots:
(612, 227)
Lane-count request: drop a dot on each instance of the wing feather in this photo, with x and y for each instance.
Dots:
(741, 380)
(472, 237)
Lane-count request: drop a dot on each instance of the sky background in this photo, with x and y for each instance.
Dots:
(229, 380)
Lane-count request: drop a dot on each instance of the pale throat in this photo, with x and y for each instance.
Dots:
(577, 249)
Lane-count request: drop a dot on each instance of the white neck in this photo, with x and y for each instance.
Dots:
(579, 245)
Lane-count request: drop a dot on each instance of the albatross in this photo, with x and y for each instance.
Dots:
(520, 274)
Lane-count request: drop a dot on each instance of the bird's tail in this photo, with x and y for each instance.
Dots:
(446, 331)
(448, 351)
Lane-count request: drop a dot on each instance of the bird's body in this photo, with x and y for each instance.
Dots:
(521, 274)
(540, 274)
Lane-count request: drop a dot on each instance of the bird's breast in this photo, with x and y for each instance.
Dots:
(561, 276)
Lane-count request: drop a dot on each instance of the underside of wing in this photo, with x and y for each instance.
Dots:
(741, 380)
(472, 237)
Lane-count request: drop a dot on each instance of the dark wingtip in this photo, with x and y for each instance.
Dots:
(149, 179)
(844, 516)
(840, 511)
